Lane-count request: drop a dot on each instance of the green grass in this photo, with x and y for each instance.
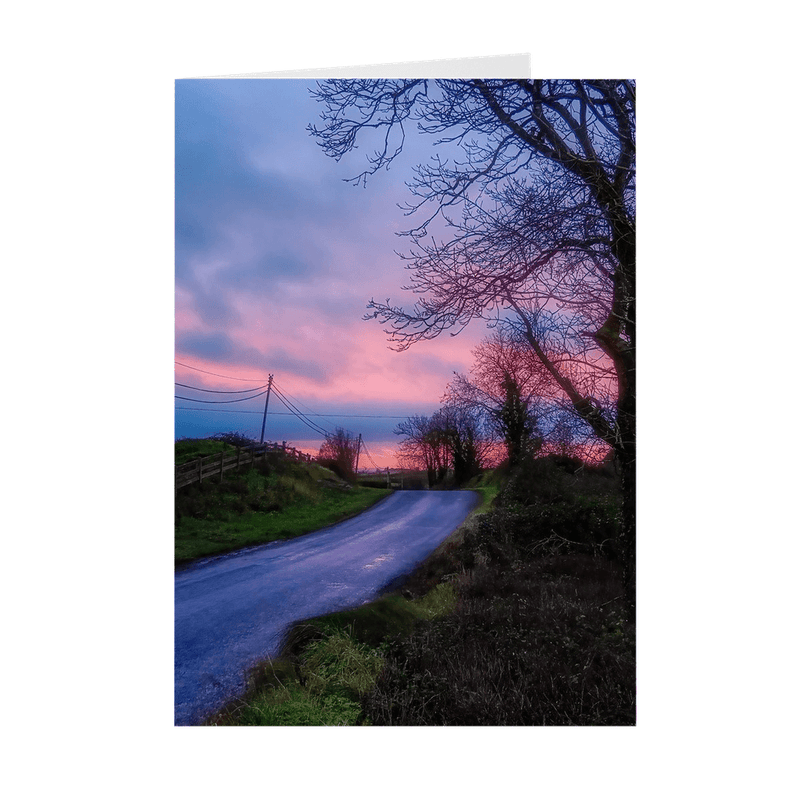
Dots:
(195, 538)
(323, 688)
(331, 663)
(487, 485)
(277, 499)
(292, 705)
(373, 622)
(190, 449)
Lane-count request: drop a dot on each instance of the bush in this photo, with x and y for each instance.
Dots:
(540, 645)
(552, 478)
(339, 452)
(509, 534)
(372, 483)
(337, 469)
(234, 438)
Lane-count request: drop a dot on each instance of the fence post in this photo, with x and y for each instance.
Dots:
(199, 470)
(221, 463)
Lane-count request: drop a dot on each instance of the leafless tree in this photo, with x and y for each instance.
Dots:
(507, 384)
(469, 439)
(532, 226)
(453, 437)
(339, 452)
(424, 446)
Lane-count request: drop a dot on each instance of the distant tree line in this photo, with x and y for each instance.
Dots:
(501, 411)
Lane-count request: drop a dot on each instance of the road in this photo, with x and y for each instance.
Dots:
(232, 611)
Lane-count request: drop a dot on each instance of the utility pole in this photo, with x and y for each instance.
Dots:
(266, 406)
(358, 452)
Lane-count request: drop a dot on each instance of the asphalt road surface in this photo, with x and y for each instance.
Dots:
(232, 611)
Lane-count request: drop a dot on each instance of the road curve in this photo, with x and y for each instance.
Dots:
(232, 611)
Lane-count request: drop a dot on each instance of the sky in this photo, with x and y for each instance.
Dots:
(276, 259)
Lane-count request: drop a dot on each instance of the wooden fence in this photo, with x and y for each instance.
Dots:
(220, 463)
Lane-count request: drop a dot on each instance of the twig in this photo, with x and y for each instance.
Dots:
(618, 597)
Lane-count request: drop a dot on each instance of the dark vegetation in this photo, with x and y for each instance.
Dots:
(339, 453)
(451, 446)
(278, 498)
(518, 619)
(540, 633)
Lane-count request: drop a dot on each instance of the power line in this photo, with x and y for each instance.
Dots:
(369, 455)
(311, 413)
(230, 377)
(293, 410)
(287, 394)
(239, 400)
(296, 413)
(302, 417)
(221, 410)
(220, 391)
(299, 414)
(326, 416)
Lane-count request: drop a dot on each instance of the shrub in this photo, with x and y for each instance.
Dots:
(341, 471)
(234, 438)
(583, 525)
(339, 452)
(372, 483)
(540, 645)
(553, 478)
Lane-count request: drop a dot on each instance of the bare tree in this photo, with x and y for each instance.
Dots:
(453, 437)
(468, 441)
(533, 226)
(339, 452)
(506, 377)
(424, 447)
(508, 385)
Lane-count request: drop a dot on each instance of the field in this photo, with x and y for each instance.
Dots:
(276, 499)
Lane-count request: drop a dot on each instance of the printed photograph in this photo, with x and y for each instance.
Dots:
(405, 402)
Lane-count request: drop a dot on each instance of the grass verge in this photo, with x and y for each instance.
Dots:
(277, 499)
(330, 664)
